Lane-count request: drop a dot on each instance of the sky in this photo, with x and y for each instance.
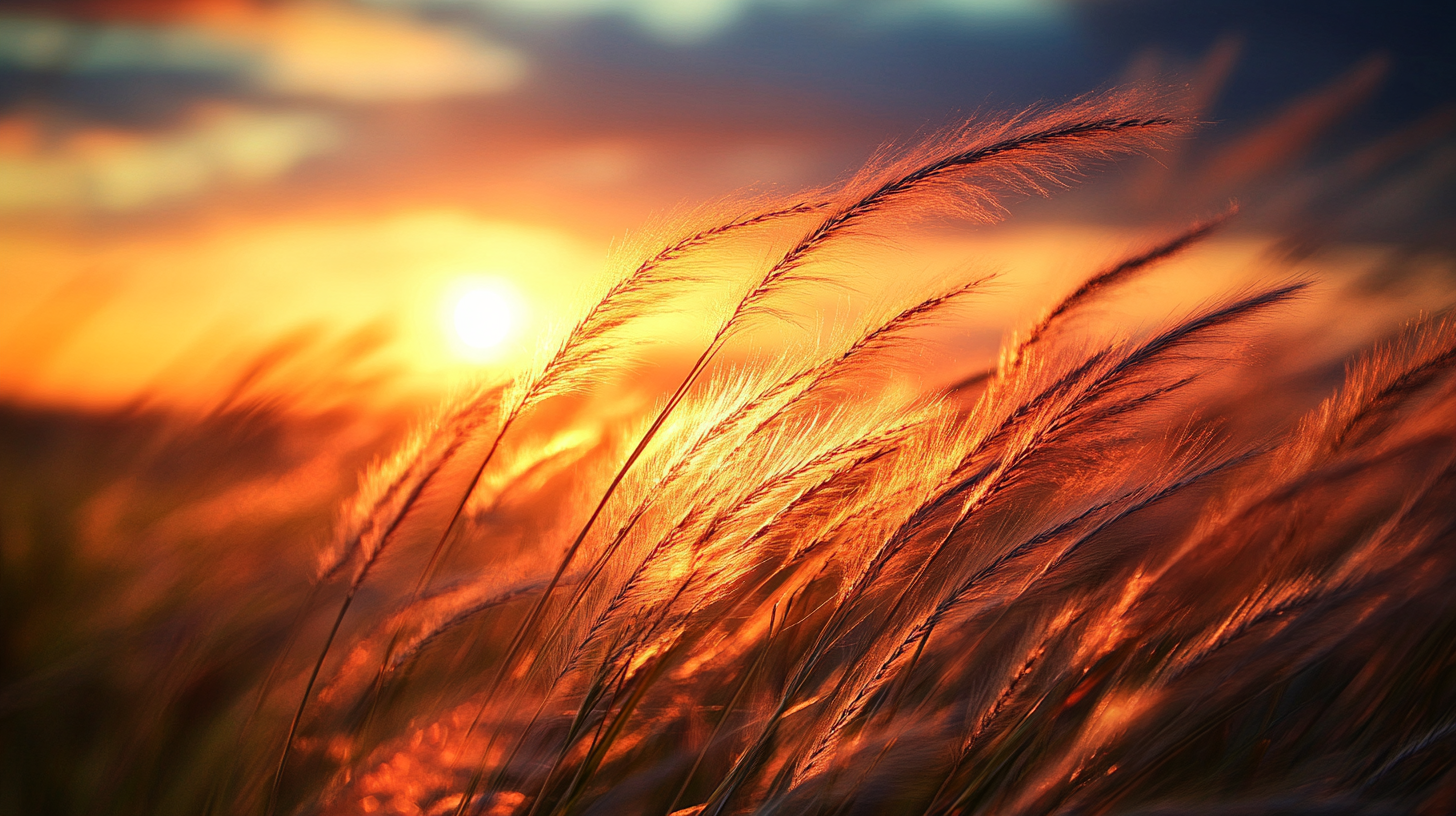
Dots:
(185, 182)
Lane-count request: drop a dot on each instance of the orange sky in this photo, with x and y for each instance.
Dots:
(339, 174)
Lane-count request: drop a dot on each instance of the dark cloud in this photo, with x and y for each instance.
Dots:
(601, 104)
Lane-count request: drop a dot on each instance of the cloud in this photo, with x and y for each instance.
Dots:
(313, 49)
(687, 21)
(55, 44)
(105, 169)
(366, 55)
(672, 20)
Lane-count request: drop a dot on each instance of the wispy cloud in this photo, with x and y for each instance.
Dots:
(312, 49)
(361, 55)
(684, 22)
(106, 169)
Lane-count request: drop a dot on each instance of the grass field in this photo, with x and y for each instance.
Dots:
(1154, 569)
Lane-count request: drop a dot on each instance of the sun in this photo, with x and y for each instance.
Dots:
(485, 314)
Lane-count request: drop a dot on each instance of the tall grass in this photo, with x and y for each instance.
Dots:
(1074, 582)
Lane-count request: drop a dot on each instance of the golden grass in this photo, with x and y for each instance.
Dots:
(1082, 581)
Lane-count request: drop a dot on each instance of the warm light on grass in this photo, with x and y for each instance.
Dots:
(1110, 567)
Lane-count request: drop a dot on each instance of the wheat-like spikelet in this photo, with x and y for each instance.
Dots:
(801, 584)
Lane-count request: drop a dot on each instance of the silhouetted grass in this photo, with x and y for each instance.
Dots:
(1072, 583)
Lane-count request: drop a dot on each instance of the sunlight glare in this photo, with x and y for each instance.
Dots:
(486, 314)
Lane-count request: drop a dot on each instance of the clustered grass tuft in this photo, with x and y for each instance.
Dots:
(1070, 583)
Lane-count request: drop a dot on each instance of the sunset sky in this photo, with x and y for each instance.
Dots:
(186, 182)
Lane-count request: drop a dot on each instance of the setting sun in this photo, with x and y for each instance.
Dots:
(727, 407)
(485, 314)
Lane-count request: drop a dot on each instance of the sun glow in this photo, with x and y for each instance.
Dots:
(485, 315)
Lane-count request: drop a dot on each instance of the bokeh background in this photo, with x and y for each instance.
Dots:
(236, 237)
(188, 184)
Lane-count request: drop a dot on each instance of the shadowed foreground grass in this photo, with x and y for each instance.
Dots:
(1113, 573)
